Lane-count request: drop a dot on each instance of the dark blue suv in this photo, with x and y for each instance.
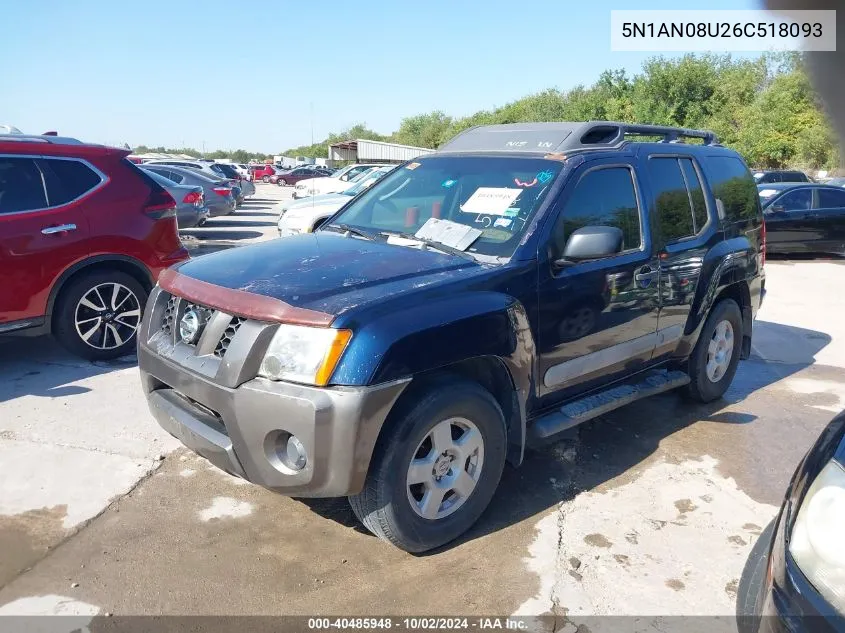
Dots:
(519, 281)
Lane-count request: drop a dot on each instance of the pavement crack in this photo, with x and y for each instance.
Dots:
(91, 449)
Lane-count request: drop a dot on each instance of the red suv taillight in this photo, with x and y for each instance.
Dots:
(160, 204)
(222, 191)
(194, 197)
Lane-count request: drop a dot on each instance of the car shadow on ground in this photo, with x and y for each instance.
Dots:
(605, 448)
(220, 223)
(39, 366)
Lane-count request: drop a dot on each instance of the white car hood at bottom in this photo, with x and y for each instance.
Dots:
(300, 217)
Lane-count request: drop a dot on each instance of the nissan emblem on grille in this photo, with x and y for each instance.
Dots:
(190, 326)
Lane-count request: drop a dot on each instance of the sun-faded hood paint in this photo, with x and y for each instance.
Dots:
(326, 271)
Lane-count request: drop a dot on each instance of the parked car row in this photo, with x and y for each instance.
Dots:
(306, 215)
(220, 195)
(242, 186)
(277, 175)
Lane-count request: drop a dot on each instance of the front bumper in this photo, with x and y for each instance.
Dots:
(240, 423)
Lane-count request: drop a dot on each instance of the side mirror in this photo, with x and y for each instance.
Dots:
(590, 242)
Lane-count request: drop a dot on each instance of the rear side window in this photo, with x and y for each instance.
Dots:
(801, 200)
(831, 198)
(733, 187)
(671, 199)
(794, 176)
(21, 186)
(696, 194)
(68, 180)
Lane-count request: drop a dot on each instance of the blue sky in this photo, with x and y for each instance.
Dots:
(210, 72)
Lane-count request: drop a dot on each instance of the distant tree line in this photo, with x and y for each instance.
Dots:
(765, 108)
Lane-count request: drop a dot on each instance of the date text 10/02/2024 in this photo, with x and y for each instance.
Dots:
(418, 623)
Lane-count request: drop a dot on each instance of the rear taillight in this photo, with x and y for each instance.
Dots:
(763, 242)
(160, 204)
(223, 191)
(194, 197)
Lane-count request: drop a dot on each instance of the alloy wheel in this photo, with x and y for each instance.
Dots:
(720, 350)
(445, 468)
(107, 316)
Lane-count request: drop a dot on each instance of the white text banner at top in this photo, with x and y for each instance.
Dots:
(722, 31)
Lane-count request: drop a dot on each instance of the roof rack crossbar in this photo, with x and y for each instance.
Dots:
(669, 133)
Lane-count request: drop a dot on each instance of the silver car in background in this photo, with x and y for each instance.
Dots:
(209, 169)
(190, 201)
(219, 195)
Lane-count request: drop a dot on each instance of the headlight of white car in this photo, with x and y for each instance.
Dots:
(817, 544)
(304, 354)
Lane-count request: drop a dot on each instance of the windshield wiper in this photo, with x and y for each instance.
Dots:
(354, 231)
(440, 246)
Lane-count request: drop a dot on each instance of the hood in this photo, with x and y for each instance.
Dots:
(327, 272)
(313, 201)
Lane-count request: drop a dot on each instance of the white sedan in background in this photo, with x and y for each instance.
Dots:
(331, 184)
(304, 216)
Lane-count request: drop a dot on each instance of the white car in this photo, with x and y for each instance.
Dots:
(243, 170)
(330, 184)
(304, 216)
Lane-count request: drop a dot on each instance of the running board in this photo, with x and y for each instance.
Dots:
(545, 428)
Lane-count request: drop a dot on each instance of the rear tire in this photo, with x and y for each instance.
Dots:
(281, 182)
(452, 438)
(714, 359)
(265, 179)
(98, 315)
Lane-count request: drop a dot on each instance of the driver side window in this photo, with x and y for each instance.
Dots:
(602, 197)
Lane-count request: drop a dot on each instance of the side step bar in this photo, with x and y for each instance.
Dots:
(545, 428)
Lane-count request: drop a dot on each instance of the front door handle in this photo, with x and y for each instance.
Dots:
(61, 228)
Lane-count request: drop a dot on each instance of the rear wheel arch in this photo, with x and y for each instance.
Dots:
(98, 263)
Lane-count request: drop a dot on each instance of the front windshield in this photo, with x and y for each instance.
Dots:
(497, 195)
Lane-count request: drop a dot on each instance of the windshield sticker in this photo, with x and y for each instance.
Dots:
(412, 166)
(491, 200)
(512, 212)
(503, 222)
(449, 183)
(530, 183)
(545, 176)
(486, 220)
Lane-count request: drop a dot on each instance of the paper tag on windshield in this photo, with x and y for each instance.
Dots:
(450, 233)
(491, 200)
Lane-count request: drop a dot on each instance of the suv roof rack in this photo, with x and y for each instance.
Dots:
(564, 136)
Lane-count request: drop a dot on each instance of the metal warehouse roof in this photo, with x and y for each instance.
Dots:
(366, 150)
(562, 136)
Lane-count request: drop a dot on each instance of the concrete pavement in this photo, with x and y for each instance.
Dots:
(650, 509)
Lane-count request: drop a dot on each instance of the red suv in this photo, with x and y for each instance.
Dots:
(262, 172)
(84, 234)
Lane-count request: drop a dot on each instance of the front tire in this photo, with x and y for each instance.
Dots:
(435, 468)
(98, 315)
(265, 179)
(715, 357)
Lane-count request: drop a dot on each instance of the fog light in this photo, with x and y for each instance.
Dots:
(296, 453)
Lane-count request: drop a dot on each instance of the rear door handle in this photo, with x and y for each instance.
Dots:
(61, 228)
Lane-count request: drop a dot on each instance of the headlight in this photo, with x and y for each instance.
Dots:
(817, 544)
(304, 354)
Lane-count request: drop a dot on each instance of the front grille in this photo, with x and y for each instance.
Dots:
(228, 335)
(175, 308)
(169, 316)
